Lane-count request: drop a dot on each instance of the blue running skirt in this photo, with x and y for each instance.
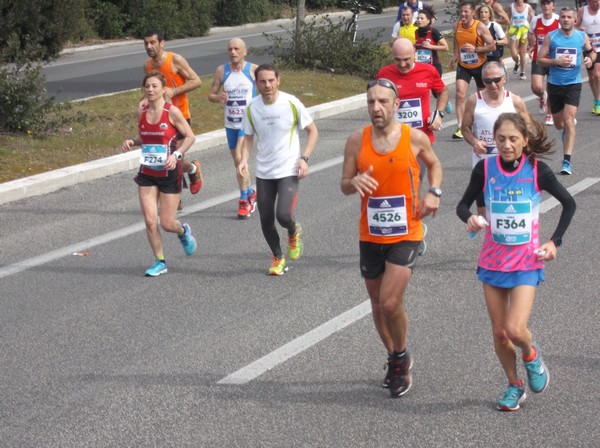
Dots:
(510, 280)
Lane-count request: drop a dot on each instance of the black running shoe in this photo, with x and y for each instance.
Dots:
(400, 379)
(388, 375)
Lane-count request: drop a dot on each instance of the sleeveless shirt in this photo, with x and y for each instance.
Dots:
(390, 214)
(173, 80)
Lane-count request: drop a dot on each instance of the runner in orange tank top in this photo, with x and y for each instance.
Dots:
(472, 40)
(380, 164)
(181, 79)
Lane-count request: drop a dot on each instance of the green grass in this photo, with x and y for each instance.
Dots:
(110, 120)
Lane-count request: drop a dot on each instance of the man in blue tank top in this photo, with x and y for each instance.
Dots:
(563, 51)
(234, 86)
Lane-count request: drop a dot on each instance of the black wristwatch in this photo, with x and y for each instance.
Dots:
(304, 158)
(442, 114)
(437, 192)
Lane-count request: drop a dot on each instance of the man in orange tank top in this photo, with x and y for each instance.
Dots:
(380, 164)
(472, 40)
(181, 79)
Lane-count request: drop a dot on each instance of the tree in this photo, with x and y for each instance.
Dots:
(300, 13)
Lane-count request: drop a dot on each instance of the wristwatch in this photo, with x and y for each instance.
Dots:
(178, 155)
(437, 192)
(442, 114)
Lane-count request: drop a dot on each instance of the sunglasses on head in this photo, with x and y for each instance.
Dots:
(492, 80)
(383, 83)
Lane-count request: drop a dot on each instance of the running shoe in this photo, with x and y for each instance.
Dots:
(400, 379)
(542, 104)
(252, 201)
(457, 135)
(196, 178)
(244, 209)
(537, 372)
(512, 398)
(159, 267)
(278, 267)
(388, 375)
(423, 245)
(596, 109)
(548, 120)
(295, 244)
(522, 76)
(566, 168)
(449, 107)
(187, 240)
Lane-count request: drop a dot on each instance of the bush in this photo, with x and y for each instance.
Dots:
(238, 12)
(109, 21)
(327, 44)
(175, 18)
(24, 106)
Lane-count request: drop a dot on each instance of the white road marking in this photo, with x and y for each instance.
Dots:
(298, 345)
(126, 231)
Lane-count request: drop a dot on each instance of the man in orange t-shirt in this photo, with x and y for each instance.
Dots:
(181, 79)
(380, 163)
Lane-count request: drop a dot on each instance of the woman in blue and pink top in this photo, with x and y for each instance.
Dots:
(510, 264)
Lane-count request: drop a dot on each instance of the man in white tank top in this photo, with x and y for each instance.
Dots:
(588, 20)
(483, 108)
(234, 86)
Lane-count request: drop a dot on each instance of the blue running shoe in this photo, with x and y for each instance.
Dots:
(566, 168)
(159, 267)
(537, 373)
(512, 398)
(449, 108)
(187, 240)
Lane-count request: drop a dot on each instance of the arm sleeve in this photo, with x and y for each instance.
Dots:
(547, 181)
(474, 188)
(436, 35)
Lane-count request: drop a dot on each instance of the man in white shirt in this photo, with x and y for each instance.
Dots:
(274, 118)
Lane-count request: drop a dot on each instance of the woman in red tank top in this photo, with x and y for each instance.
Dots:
(160, 176)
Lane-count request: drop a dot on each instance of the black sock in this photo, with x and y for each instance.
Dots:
(567, 157)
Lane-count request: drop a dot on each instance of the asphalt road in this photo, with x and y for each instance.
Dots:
(216, 353)
(113, 69)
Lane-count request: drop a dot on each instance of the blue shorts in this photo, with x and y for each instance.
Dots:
(510, 280)
(233, 135)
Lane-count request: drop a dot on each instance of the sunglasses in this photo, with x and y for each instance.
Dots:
(492, 80)
(383, 83)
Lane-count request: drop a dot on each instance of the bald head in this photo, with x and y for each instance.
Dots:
(236, 49)
(403, 53)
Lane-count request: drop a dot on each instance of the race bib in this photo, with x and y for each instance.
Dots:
(154, 156)
(540, 41)
(569, 53)
(424, 55)
(234, 110)
(468, 57)
(595, 41)
(511, 222)
(387, 216)
(410, 112)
